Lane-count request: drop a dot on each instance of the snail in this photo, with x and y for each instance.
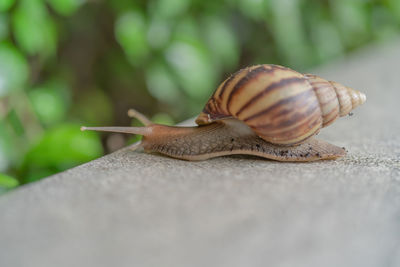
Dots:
(265, 110)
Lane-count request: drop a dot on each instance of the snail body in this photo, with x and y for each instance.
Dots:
(265, 110)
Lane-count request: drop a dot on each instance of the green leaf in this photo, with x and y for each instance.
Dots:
(130, 31)
(49, 102)
(120, 6)
(383, 24)
(327, 40)
(3, 26)
(64, 147)
(8, 182)
(394, 7)
(193, 67)
(324, 34)
(161, 83)
(188, 29)
(14, 69)
(253, 8)
(4, 157)
(158, 33)
(65, 7)
(7, 149)
(163, 118)
(351, 16)
(221, 42)
(5, 5)
(34, 30)
(171, 8)
(94, 107)
(15, 122)
(289, 34)
(38, 173)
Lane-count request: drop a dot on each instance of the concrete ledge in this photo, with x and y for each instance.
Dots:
(135, 209)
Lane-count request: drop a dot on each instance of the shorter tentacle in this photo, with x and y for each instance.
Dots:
(132, 113)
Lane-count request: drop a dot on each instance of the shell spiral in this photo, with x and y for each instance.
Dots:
(282, 106)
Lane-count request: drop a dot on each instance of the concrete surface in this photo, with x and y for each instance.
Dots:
(135, 209)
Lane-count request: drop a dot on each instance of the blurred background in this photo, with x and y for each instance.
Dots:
(67, 63)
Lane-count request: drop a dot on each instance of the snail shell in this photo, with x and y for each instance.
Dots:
(280, 105)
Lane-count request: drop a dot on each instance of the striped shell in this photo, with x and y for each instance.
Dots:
(281, 105)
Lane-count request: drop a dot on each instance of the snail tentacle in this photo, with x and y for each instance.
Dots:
(133, 113)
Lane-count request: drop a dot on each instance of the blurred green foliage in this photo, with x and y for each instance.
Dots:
(64, 63)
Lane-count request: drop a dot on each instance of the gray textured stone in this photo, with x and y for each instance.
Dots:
(135, 209)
